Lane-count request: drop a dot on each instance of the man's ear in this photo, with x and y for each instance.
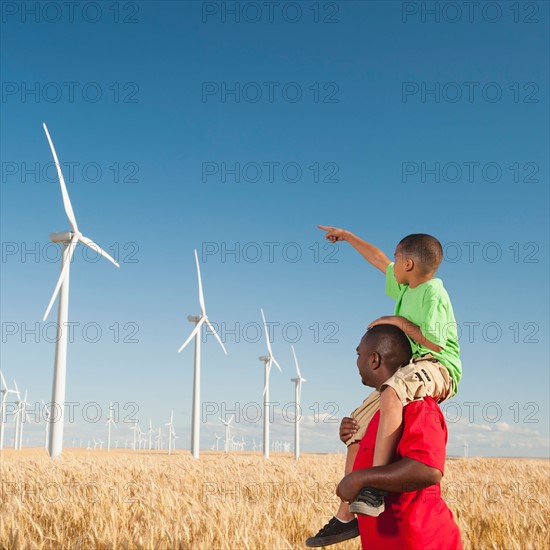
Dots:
(375, 360)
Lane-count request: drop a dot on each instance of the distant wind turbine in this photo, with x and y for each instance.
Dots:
(199, 320)
(110, 422)
(465, 449)
(227, 432)
(47, 414)
(69, 240)
(4, 391)
(298, 394)
(268, 361)
(171, 432)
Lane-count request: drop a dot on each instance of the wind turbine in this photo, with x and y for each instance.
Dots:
(199, 320)
(47, 414)
(110, 422)
(218, 437)
(171, 432)
(298, 394)
(227, 432)
(268, 361)
(465, 449)
(69, 240)
(21, 417)
(4, 391)
(150, 433)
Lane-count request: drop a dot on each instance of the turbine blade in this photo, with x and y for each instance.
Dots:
(266, 333)
(201, 295)
(64, 192)
(3, 380)
(296, 361)
(62, 276)
(276, 364)
(215, 334)
(88, 242)
(192, 335)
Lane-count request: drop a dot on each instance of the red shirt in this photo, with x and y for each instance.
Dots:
(416, 519)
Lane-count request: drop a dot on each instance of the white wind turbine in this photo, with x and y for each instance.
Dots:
(199, 320)
(465, 449)
(298, 394)
(268, 361)
(47, 414)
(110, 422)
(150, 434)
(227, 432)
(4, 391)
(171, 432)
(69, 240)
(20, 417)
(218, 437)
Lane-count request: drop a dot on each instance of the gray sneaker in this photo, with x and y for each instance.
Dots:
(369, 502)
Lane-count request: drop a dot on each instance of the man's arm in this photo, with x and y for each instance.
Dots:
(410, 329)
(372, 254)
(404, 475)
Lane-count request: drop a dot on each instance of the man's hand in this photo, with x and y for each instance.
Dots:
(348, 428)
(333, 233)
(349, 487)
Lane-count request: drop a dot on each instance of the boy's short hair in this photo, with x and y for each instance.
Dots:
(423, 249)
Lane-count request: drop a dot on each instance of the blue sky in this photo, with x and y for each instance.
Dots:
(383, 121)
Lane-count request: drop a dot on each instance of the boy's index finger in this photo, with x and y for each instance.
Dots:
(324, 227)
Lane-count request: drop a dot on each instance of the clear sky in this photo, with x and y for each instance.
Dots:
(184, 125)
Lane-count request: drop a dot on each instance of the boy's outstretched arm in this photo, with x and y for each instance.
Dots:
(372, 254)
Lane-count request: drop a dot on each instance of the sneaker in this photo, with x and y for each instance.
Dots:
(369, 502)
(334, 531)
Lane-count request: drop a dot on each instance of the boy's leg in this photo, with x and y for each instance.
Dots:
(343, 512)
(390, 427)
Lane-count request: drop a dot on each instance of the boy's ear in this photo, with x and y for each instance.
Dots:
(409, 264)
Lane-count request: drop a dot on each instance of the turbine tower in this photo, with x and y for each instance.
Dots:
(298, 394)
(268, 361)
(4, 391)
(199, 320)
(69, 240)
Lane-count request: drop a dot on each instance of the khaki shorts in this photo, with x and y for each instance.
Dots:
(422, 377)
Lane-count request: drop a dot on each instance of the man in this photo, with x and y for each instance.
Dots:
(416, 517)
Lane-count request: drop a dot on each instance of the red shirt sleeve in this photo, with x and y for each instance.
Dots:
(425, 436)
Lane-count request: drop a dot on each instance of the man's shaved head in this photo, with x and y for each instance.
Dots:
(391, 343)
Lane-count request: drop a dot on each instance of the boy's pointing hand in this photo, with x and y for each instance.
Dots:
(333, 233)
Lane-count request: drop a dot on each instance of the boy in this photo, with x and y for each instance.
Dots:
(424, 312)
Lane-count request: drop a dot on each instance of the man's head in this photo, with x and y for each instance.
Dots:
(420, 252)
(382, 350)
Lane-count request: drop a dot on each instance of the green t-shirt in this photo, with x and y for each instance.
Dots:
(428, 306)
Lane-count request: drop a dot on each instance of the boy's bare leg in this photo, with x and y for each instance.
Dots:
(343, 512)
(390, 427)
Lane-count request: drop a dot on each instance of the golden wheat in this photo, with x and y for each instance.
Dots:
(238, 501)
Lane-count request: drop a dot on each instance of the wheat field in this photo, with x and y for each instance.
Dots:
(95, 499)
